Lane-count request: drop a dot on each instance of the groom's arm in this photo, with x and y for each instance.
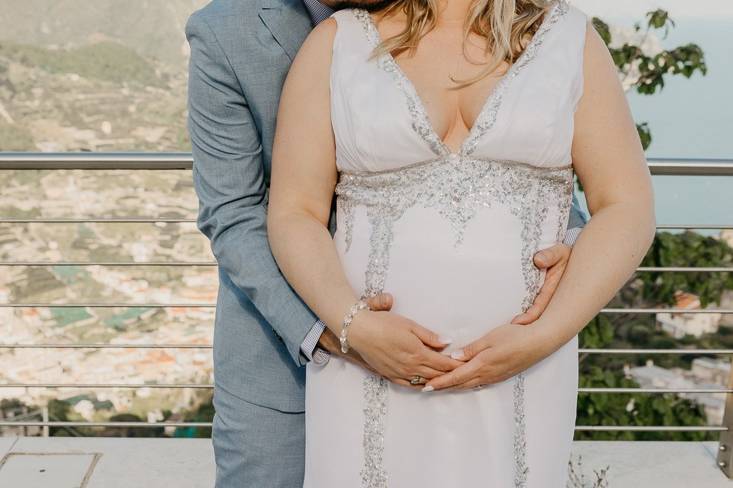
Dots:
(576, 222)
(229, 179)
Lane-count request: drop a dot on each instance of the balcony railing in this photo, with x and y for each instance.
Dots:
(181, 161)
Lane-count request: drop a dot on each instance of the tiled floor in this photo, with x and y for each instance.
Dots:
(188, 463)
(654, 464)
(120, 463)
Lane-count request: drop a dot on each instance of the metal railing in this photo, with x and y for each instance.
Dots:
(183, 161)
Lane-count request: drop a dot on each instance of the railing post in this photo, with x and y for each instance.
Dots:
(725, 446)
(44, 414)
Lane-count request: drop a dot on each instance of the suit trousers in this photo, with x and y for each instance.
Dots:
(255, 446)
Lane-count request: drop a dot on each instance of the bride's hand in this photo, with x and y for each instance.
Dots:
(398, 348)
(500, 354)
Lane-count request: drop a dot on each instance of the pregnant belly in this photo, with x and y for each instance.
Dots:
(458, 289)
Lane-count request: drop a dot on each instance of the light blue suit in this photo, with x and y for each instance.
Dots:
(241, 51)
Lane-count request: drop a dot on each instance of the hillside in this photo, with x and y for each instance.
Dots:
(153, 28)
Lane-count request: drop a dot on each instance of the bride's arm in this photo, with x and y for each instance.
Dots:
(303, 180)
(609, 160)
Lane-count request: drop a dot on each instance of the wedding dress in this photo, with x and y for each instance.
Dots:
(452, 236)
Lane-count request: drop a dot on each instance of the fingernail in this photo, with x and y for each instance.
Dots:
(445, 340)
(428, 389)
(542, 256)
(458, 355)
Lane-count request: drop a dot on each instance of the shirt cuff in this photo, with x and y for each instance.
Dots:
(310, 348)
(572, 235)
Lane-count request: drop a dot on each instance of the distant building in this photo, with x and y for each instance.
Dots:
(727, 236)
(679, 325)
(726, 301)
(652, 376)
(711, 370)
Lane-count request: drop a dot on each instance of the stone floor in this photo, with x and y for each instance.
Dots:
(34, 462)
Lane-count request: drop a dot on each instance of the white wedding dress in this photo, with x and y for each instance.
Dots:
(452, 236)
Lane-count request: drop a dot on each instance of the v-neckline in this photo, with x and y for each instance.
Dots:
(491, 102)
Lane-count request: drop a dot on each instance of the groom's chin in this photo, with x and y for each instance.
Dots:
(367, 4)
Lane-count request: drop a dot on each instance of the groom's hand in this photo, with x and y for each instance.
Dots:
(554, 260)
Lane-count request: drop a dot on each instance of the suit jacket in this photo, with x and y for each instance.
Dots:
(241, 51)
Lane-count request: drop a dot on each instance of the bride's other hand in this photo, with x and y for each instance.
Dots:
(554, 260)
(398, 348)
(500, 354)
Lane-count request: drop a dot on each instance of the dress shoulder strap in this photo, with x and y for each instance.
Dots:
(351, 37)
(568, 43)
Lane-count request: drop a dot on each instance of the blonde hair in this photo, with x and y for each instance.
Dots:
(507, 26)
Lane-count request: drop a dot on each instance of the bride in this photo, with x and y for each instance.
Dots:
(450, 131)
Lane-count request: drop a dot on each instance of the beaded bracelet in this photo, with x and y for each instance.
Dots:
(348, 318)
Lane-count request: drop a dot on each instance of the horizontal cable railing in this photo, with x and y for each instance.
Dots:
(170, 386)
(157, 425)
(107, 305)
(77, 386)
(10, 423)
(99, 220)
(106, 346)
(183, 161)
(143, 264)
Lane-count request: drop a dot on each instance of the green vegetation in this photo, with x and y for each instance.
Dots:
(106, 61)
(651, 289)
(633, 409)
(650, 70)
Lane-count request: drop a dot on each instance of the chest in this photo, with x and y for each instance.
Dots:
(454, 90)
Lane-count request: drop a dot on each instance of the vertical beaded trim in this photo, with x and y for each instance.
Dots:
(521, 470)
(373, 474)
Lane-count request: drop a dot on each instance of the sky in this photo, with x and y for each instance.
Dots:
(701, 9)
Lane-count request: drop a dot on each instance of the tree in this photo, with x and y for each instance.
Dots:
(645, 72)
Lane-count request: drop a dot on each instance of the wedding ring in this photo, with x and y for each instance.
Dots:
(417, 380)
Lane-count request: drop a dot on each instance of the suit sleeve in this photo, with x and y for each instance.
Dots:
(577, 216)
(229, 179)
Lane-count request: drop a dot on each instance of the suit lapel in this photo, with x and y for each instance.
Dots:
(288, 22)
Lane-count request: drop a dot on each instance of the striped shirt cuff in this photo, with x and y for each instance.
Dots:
(572, 235)
(310, 348)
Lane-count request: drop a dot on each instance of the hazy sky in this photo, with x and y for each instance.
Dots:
(678, 8)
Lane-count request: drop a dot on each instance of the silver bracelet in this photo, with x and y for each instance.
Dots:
(348, 318)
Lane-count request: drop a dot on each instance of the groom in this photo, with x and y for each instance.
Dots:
(241, 51)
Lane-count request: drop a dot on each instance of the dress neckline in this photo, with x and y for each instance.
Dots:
(487, 115)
